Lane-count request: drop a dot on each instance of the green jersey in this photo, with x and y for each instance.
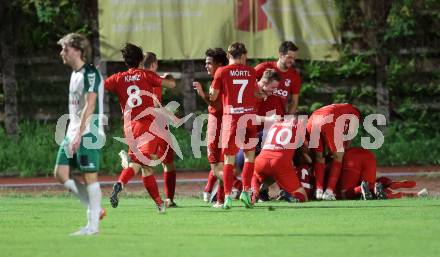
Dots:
(85, 80)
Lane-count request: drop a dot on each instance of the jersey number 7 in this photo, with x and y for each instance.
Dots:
(243, 83)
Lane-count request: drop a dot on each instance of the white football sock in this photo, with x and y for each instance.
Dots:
(95, 195)
(82, 193)
(70, 184)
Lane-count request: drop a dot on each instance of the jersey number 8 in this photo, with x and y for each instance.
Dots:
(134, 99)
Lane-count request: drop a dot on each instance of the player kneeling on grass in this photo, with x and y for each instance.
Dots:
(86, 93)
(275, 160)
(134, 89)
(358, 179)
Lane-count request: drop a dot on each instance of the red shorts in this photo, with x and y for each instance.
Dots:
(237, 134)
(325, 138)
(144, 143)
(331, 131)
(165, 150)
(280, 169)
(358, 165)
(213, 137)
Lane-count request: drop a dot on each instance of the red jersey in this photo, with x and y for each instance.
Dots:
(216, 108)
(157, 91)
(357, 159)
(134, 89)
(290, 84)
(337, 110)
(280, 140)
(237, 85)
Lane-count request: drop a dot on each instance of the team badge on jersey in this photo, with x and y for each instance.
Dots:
(287, 82)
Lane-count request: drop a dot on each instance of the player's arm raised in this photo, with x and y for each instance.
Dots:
(168, 81)
(199, 89)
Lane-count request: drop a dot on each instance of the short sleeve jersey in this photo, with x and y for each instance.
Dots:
(215, 108)
(337, 110)
(290, 84)
(134, 89)
(357, 159)
(85, 80)
(238, 87)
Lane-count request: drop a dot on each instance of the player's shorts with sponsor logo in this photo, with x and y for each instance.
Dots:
(237, 134)
(86, 159)
(272, 164)
(213, 137)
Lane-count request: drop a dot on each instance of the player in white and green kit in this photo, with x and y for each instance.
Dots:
(84, 138)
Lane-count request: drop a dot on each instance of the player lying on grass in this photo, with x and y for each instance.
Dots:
(358, 178)
(85, 100)
(134, 89)
(390, 188)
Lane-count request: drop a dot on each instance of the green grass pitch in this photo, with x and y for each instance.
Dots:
(31, 226)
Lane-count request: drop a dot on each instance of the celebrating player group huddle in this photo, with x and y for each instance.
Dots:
(252, 131)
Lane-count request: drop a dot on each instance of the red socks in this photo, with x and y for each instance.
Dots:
(237, 184)
(403, 184)
(126, 175)
(220, 194)
(335, 171)
(211, 181)
(150, 185)
(319, 169)
(170, 184)
(228, 178)
(246, 175)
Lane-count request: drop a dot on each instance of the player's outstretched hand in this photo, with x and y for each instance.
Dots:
(198, 87)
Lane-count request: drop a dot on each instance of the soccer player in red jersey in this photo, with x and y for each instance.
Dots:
(390, 186)
(275, 160)
(290, 83)
(326, 127)
(166, 152)
(215, 58)
(358, 176)
(237, 86)
(134, 89)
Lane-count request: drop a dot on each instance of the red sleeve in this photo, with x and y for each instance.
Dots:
(296, 87)
(217, 82)
(259, 70)
(156, 80)
(110, 83)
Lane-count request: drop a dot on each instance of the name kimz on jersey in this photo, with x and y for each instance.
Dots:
(130, 78)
